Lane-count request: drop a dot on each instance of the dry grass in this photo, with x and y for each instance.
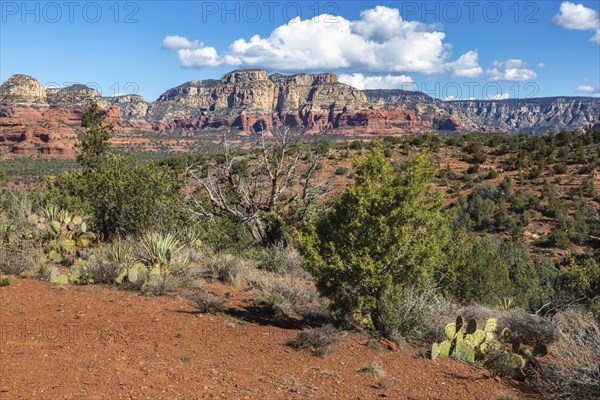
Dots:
(225, 267)
(291, 297)
(572, 371)
(205, 302)
(318, 340)
(15, 260)
(525, 328)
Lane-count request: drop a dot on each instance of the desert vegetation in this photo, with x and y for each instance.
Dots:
(483, 247)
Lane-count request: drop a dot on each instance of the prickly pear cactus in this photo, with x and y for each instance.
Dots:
(467, 346)
(464, 351)
(441, 349)
(61, 232)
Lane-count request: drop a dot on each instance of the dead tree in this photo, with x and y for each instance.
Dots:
(258, 188)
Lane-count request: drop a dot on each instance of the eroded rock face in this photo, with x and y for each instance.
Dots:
(75, 96)
(37, 119)
(23, 91)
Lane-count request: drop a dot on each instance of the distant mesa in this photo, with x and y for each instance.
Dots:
(248, 101)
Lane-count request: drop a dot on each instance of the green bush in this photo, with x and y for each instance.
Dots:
(384, 233)
(122, 195)
(475, 271)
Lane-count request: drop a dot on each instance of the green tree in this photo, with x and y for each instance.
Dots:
(94, 142)
(585, 277)
(122, 195)
(475, 271)
(521, 270)
(385, 233)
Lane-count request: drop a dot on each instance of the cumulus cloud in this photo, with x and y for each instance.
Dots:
(578, 17)
(380, 41)
(513, 70)
(177, 42)
(466, 66)
(377, 82)
(541, 65)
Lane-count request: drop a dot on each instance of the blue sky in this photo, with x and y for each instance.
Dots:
(455, 49)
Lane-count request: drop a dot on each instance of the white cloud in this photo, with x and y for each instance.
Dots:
(513, 70)
(377, 82)
(205, 55)
(587, 89)
(466, 66)
(541, 65)
(450, 98)
(499, 96)
(578, 17)
(177, 42)
(380, 41)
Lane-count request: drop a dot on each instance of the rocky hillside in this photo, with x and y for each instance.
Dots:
(35, 119)
(531, 116)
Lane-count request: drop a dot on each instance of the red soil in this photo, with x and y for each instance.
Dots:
(91, 342)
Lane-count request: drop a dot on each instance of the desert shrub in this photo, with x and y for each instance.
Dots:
(4, 282)
(525, 328)
(407, 316)
(120, 193)
(284, 260)
(98, 268)
(206, 302)
(225, 267)
(492, 174)
(522, 200)
(295, 298)
(15, 260)
(585, 224)
(341, 171)
(375, 369)
(317, 340)
(473, 169)
(123, 195)
(585, 277)
(522, 271)
(224, 234)
(384, 233)
(157, 285)
(560, 168)
(475, 271)
(560, 238)
(573, 372)
(481, 210)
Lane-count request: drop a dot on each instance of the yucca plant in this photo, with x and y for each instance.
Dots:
(121, 253)
(189, 235)
(162, 251)
(54, 213)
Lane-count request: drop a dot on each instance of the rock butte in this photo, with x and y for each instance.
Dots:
(35, 119)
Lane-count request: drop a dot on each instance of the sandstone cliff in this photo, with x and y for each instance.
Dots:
(35, 119)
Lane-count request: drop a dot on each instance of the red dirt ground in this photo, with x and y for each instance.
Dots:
(92, 342)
